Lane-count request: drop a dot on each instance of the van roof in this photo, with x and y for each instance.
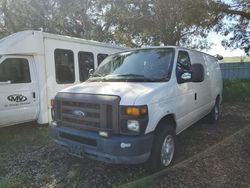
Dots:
(31, 42)
(162, 47)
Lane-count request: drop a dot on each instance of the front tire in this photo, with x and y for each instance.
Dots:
(163, 149)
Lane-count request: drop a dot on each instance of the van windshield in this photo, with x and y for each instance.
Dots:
(143, 65)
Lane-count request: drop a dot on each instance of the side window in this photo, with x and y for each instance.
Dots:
(15, 70)
(101, 57)
(183, 61)
(64, 65)
(86, 62)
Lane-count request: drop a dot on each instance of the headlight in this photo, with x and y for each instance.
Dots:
(133, 119)
(133, 125)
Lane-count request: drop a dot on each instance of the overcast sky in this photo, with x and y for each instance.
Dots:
(217, 48)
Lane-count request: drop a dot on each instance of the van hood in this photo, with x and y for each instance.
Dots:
(127, 91)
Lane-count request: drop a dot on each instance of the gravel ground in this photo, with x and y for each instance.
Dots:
(225, 165)
(37, 162)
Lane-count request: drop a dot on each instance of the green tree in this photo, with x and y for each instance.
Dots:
(155, 22)
(55, 16)
(236, 24)
(132, 22)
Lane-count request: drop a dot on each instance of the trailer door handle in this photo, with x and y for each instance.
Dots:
(34, 95)
(195, 96)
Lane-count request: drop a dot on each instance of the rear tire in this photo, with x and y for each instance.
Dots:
(163, 148)
(214, 115)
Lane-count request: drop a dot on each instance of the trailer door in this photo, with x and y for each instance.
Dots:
(18, 90)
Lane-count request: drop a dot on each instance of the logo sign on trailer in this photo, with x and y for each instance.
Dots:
(17, 98)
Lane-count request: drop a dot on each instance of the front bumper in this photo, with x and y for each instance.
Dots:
(116, 149)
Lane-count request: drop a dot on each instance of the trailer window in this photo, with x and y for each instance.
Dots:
(64, 65)
(101, 57)
(86, 62)
(15, 70)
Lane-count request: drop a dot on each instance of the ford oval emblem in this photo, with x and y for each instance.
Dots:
(79, 113)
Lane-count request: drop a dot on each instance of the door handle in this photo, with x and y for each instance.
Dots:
(34, 95)
(195, 96)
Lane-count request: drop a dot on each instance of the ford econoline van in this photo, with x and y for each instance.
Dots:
(136, 103)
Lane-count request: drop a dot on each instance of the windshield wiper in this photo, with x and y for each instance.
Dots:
(130, 75)
(96, 77)
(140, 77)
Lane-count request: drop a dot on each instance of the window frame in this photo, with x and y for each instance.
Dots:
(74, 68)
(78, 55)
(190, 63)
(98, 63)
(27, 62)
(177, 72)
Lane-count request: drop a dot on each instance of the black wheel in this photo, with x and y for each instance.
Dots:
(214, 115)
(163, 148)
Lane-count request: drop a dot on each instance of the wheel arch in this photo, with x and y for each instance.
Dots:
(218, 98)
(167, 120)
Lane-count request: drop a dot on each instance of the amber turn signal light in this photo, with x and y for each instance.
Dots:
(136, 111)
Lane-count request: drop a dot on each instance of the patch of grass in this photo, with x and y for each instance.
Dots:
(236, 59)
(20, 181)
(5, 184)
(236, 90)
(15, 139)
(145, 182)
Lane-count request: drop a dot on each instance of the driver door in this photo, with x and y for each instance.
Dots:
(185, 103)
(19, 98)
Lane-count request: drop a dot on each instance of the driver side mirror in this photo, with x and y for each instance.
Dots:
(198, 72)
(184, 76)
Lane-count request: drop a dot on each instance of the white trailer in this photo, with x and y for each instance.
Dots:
(35, 65)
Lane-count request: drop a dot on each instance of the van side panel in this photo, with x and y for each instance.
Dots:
(216, 76)
(170, 98)
(203, 102)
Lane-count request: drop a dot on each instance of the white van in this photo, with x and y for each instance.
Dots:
(35, 65)
(135, 103)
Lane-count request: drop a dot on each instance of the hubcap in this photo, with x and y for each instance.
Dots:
(167, 150)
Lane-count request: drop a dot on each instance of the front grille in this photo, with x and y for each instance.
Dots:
(88, 112)
(91, 111)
